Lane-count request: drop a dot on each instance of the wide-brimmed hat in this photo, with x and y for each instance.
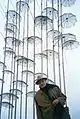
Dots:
(39, 77)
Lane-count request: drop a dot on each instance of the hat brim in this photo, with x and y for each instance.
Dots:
(37, 82)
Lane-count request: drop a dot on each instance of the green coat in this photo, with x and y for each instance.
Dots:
(44, 107)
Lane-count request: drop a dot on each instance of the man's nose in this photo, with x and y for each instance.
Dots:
(41, 82)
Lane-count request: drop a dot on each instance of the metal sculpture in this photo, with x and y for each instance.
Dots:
(13, 16)
(54, 1)
(66, 38)
(42, 20)
(39, 55)
(68, 3)
(23, 60)
(2, 65)
(9, 53)
(53, 33)
(20, 83)
(8, 74)
(8, 96)
(11, 28)
(1, 80)
(16, 42)
(31, 40)
(22, 5)
(12, 41)
(50, 12)
(70, 45)
(28, 72)
(50, 53)
(7, 105)
(13, 91)
(65, 3)
(68, 20)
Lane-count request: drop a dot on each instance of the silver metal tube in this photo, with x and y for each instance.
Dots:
(63, 71)
(54, 75)
(34, 67)
(17, 72)
(59, 47)
(41, 40)
(46, 42)
(27, 57)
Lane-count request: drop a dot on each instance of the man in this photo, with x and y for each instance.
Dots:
(49, 100)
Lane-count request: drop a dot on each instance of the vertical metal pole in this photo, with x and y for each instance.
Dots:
(22, 64)
(11, 79)
(41, 41)
(62, 50)
(17, 64)
(34, 67)
(59, 47)
(4, 60)
(10, 86)
(12, 65)
(46, 41)
(14, 48)
(54, 75)
(27, 60)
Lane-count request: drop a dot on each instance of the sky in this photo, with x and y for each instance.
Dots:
(72, 57)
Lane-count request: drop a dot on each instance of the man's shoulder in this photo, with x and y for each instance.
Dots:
(53, 85)
(37, 92)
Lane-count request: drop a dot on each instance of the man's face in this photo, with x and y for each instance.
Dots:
(42, 83)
